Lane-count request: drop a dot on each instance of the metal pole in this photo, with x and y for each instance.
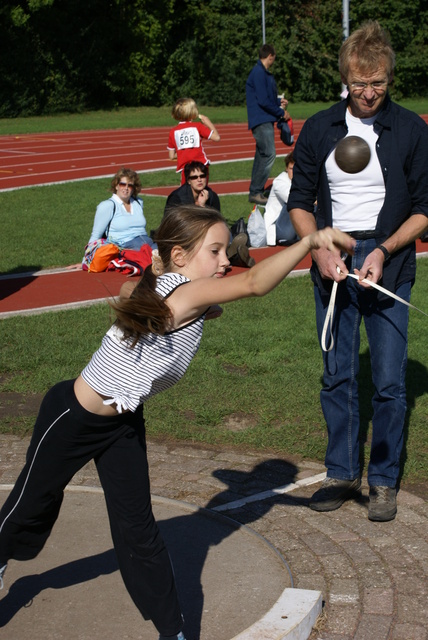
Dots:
(345, 19)
(263, 22)
(345, 25)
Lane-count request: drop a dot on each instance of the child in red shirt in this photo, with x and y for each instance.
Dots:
(185, 140)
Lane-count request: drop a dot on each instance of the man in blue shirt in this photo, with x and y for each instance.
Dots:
(264, 108)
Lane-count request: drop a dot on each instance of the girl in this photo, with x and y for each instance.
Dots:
(100, 414)
(185, 139)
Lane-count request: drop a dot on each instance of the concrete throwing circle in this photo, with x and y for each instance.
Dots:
(228, 577)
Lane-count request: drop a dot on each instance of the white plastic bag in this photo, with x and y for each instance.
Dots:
(256, 228)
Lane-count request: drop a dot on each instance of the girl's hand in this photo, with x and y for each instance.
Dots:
(326, 246)
(331, 239)
(213, 312)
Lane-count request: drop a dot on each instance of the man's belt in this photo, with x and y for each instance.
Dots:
(364, 235)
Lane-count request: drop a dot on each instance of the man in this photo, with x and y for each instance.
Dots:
(385, 207)
(264, 108)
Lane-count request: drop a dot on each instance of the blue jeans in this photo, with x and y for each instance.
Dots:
(386, 323)
(285, 232)
(136, 243)
(264, 135)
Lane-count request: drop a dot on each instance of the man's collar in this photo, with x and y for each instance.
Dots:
(382, 117)
(262, 65)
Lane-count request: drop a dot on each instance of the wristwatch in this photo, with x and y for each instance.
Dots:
(385, 252)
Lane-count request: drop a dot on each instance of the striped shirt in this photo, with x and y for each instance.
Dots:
(128, 375)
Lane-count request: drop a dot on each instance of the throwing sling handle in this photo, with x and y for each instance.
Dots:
(328, 322)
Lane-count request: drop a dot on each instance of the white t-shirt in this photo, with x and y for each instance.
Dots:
(357, 198)
(278, 196)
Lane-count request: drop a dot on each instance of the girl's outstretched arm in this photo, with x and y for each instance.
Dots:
(192, 299)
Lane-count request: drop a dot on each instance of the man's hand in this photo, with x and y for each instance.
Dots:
(325, 246)
(330, 264)
(372, 268)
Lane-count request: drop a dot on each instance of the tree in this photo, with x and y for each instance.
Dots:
(57, 55)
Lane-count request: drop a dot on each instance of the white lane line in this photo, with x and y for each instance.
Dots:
(56, 307)
(271, 493)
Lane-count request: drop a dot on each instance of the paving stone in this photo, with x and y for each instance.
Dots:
(409, 632)
(372, 626)
(372, 576)
(378, 601)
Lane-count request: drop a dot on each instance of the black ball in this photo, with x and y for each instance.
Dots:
(352, 154)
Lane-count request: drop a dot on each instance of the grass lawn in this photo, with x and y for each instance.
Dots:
(261, 358)
(157, 117)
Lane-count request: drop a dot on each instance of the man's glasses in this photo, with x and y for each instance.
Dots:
(378, 86)
(126, 184)
(201, 175)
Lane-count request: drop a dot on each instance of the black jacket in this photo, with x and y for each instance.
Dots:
(402, 149)
(184, 195)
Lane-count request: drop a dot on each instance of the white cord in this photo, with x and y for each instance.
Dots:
(328, 322)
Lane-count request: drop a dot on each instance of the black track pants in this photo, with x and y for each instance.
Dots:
(65, 438)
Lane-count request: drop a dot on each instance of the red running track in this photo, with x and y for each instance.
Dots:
(28, 160)
(65, 289)
(34, 293)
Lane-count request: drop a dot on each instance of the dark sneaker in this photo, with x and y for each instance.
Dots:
(238, 253)
(258, 198)
(244, 257)
(238, 241)
(383, 503)
(333, 493)
(179, 636)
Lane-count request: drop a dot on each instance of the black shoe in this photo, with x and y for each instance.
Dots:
(238, 253)
(242, 258)
(333, 493)
(257, 198)
(383, 503)
(239, 240)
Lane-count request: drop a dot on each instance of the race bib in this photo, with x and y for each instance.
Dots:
(187, 138)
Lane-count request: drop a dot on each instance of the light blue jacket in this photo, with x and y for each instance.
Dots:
(120, 227)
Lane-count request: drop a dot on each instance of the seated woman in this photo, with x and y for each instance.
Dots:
(279, 229)
(195, 189)
(120, 219)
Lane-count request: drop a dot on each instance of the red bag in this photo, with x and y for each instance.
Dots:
(131, 262)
